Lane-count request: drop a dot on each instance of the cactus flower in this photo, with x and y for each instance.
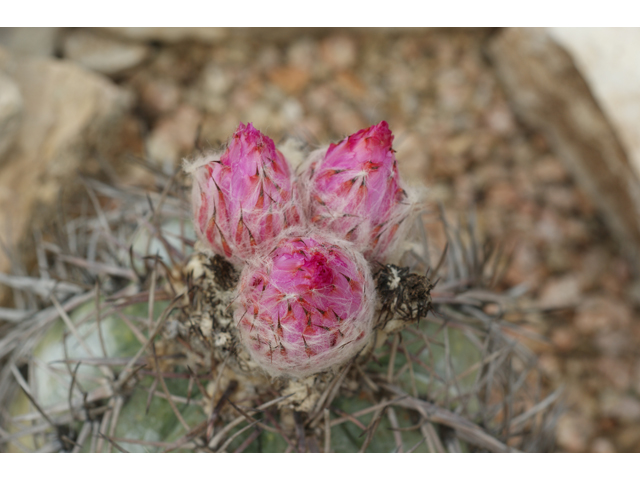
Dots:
(243, 198)
(306, 306)
(353, 189)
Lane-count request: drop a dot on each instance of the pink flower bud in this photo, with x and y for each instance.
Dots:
(243, 198)
(354, 191)
(306, 306)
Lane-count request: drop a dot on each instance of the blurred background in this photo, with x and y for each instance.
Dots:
(533, 130)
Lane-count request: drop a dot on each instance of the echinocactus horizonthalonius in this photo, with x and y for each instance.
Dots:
(353, 190)
(244, 197)
(306, 306)
(157, 357)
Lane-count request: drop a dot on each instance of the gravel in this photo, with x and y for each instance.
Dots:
(455, 132)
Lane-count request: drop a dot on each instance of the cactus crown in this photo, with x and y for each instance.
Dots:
(244, 197)
(354, 190)
(306, 298)
(306, 306)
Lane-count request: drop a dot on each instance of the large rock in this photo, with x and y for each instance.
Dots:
(10, 113)
(548, 93)
(69, 115)
(609, 60)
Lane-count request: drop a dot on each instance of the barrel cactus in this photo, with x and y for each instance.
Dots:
(158, 338)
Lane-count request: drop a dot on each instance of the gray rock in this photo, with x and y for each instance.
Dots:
(102, 54)
(10, 113)
(33, 41)
(609, 60)
(624, 408)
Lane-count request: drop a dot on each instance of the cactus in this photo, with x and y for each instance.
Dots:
(243, 198)
(353, 190)
(306, 306)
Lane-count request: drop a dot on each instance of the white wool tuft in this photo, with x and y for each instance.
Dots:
(190, 167)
